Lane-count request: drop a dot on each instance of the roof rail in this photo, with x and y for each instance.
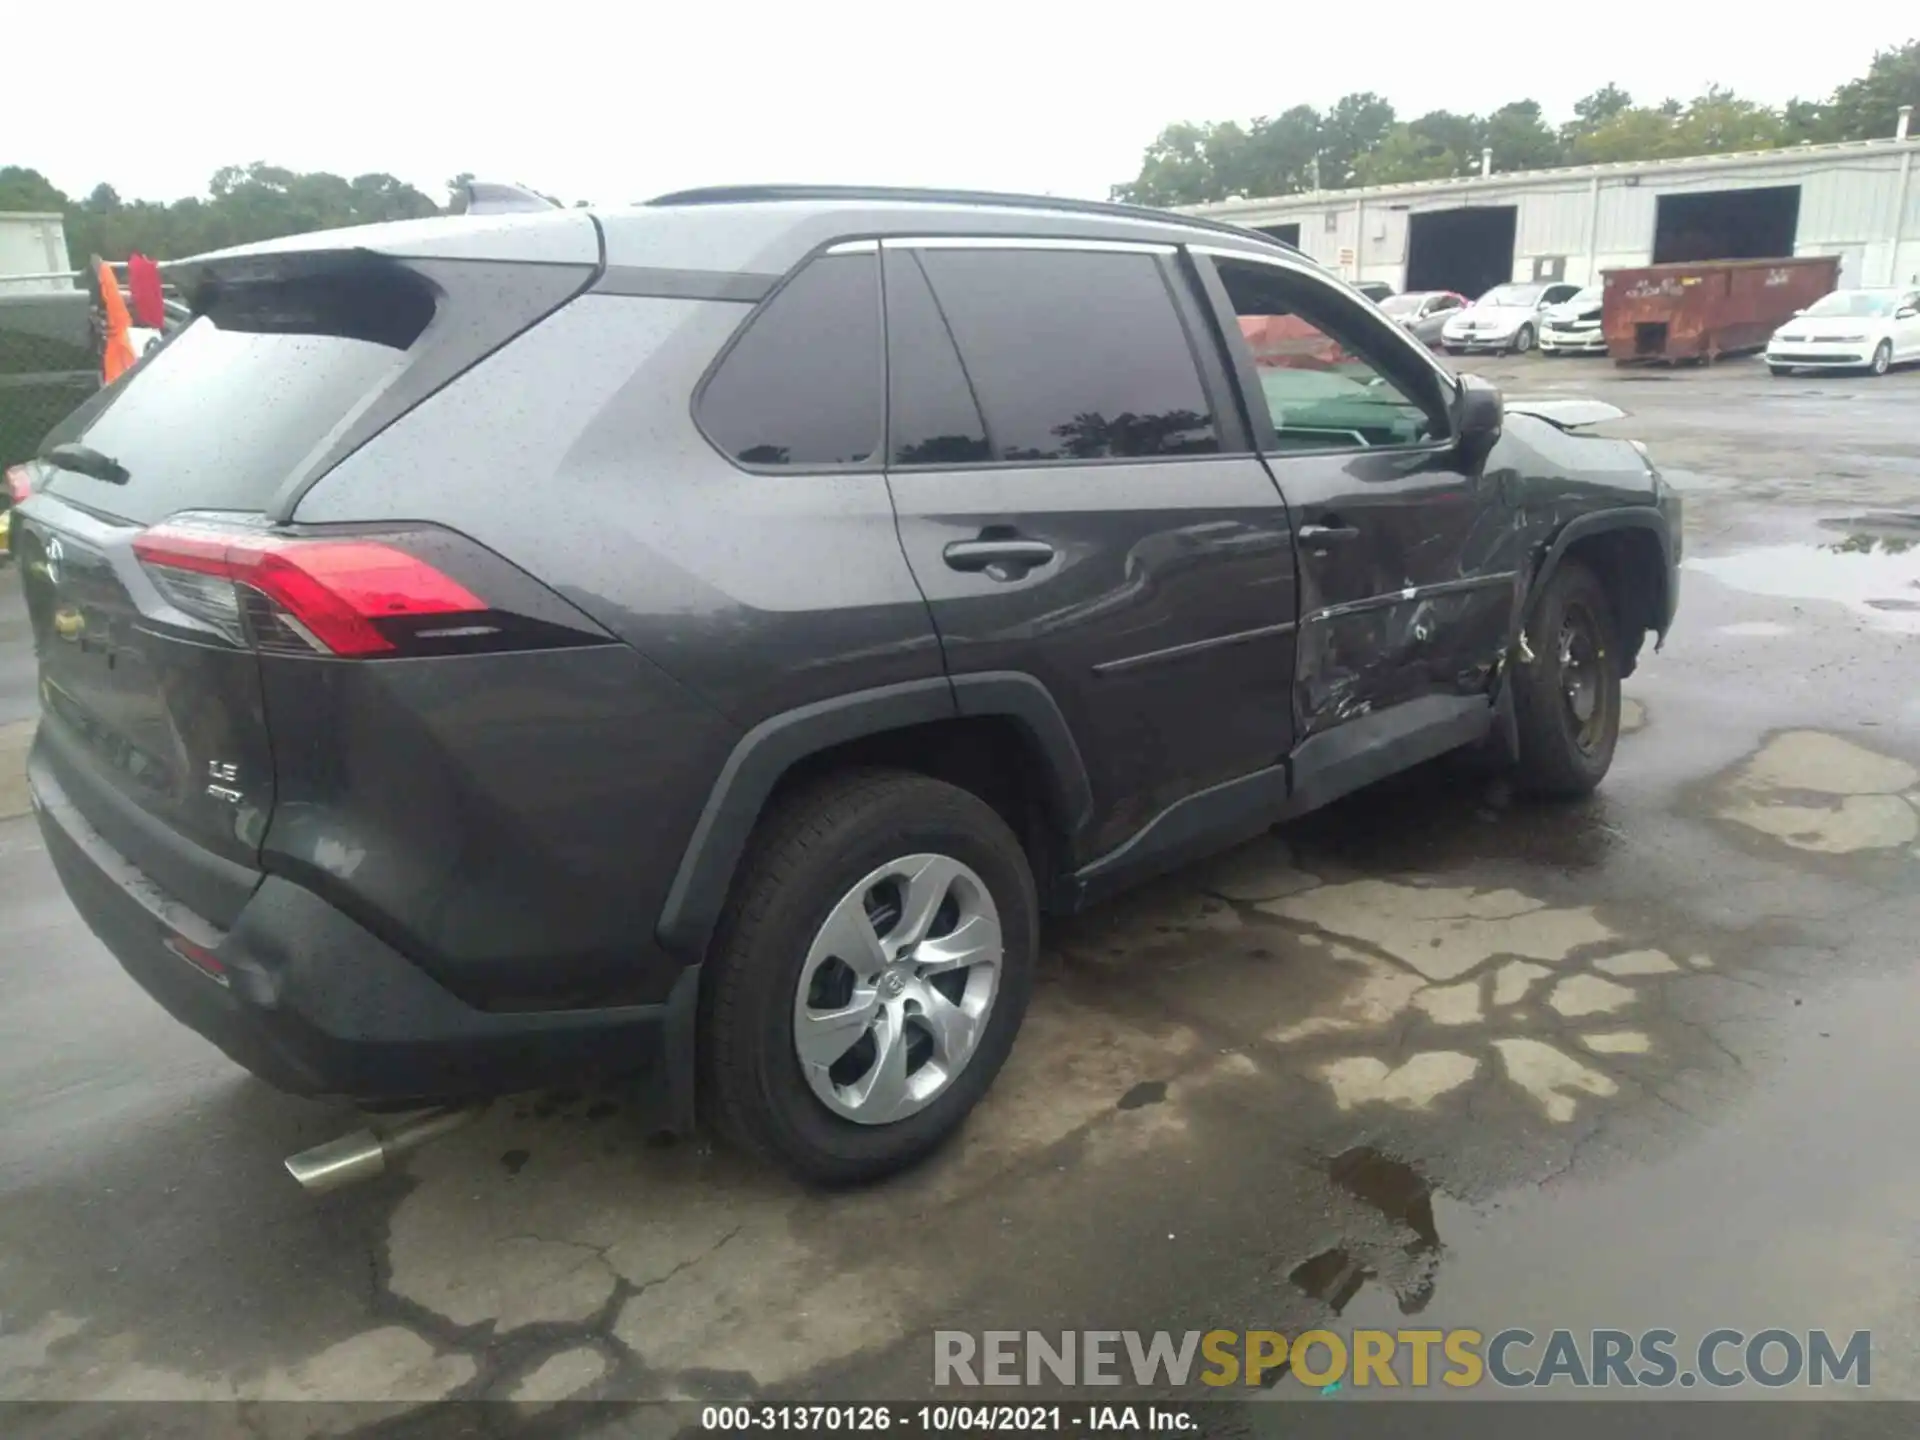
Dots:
(749, 194)
(490, 197)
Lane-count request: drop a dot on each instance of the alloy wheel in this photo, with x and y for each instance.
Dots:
(897, 989)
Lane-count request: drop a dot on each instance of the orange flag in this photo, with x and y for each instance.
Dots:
(119, 348)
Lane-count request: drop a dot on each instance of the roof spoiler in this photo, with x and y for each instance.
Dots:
(489, 197)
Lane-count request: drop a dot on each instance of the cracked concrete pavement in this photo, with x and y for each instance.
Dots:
(1642, 1060)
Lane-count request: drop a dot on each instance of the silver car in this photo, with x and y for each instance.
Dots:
(1422, 313)
(1505, 319)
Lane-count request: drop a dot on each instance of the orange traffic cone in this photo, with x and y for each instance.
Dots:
(118, 356)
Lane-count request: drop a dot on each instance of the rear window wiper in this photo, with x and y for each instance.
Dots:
(85, 460)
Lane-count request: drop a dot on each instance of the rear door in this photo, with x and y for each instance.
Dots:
(1078, 502)
(1407, 572)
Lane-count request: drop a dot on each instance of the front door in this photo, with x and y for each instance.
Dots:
(1408, 571)
(1079, 502)
(1907, 326)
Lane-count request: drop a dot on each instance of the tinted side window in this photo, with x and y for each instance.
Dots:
(803, 385)
(935, 418)
(1072, 355)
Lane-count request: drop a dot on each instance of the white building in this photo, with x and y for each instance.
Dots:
(1859, 201)
(33, 245)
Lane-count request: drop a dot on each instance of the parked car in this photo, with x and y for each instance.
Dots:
(1872, 330)
(1573, 326)
(1424, 312)
(1507, 318)
(544, 653)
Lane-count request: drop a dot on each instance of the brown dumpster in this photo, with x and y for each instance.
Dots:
(1706, 309)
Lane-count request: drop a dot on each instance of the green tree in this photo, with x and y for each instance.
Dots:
(1521, 139)
(1866, 108)
(1355, 125)
(30, 191)
(1719, 123)
(1593, 111)
(1278, 156)
(1185, 165)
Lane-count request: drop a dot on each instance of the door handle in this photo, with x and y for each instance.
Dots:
(1011, 555)
(1327, 534)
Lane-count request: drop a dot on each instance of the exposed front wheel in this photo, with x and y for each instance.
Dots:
(870, 977)
(1523, 340)
(1567, 697)
(1780, 371)
(1882, 357)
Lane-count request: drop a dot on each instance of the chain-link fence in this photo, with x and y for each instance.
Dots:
(49, 363)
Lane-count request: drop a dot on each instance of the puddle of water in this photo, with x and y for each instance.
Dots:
(1401, 1195)
(1875, 576)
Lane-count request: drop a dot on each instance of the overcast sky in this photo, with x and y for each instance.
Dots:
(618, 102)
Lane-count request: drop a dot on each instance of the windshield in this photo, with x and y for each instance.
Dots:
(1592, 295)
(1860, 304)
(1525, 296)
(1402, 304)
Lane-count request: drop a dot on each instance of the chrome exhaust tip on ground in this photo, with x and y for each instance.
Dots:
(367, 1153)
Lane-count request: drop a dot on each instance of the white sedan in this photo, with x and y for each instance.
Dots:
(1850, 330)
(1506, 318)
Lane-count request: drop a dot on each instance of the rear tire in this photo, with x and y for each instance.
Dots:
(806, 894)
(1567, 699)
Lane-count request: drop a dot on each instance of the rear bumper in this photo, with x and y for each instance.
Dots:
(313, 1003)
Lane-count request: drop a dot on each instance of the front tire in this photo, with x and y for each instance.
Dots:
(1882, 358)
(1780, 372)
(1567, 698)
(870, 976)
(1523, 340)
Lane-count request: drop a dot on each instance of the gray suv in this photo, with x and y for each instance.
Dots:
(704, 638)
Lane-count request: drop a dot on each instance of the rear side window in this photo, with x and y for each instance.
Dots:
(222, 414)
(803, 385)
(1055, 355)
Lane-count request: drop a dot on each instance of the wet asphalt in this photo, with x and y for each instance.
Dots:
(1434, 1057)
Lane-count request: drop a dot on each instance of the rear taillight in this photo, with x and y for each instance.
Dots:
(357, 596)
(19, 483)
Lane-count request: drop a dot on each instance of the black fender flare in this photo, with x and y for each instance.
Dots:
(1626, 517)
(771, 748)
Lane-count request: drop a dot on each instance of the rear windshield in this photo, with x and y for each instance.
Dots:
(223, 413)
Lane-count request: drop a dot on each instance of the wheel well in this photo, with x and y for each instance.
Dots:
(990, 756)
(1628, 562)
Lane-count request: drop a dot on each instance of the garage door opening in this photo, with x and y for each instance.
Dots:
(1470, 251)
(1285, 234)
(1727, 225)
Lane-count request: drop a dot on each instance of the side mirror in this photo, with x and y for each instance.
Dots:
(1479, 414)
(1906, 312)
